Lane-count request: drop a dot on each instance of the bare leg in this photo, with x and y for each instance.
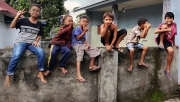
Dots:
(92, 67)
(41, 76)
(131, 55)
(107, 37)
(119, 40)
(141, 62)
(169, 59)
(79, 76)
(7, 81)
(63, 70)
(162, 36)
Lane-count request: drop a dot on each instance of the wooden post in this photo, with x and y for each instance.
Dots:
(115, 12)
(88, 36)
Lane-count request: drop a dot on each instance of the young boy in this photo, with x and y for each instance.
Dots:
(30, 33)
(139, 31)
(109, 35)
(61, 43)
(80, 45)
(166, 39)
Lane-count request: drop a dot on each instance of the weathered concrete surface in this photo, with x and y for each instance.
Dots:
(27, 87)
(112, 84)
(108, 76)
(145, 83)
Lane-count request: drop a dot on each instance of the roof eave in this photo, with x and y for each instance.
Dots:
(93, 5)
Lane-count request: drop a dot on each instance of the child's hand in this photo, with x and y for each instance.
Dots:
(109, 48)
(35, 44)
(176, 46)
(148, 25)
(21, 12)
(88, 47)
(85, 29)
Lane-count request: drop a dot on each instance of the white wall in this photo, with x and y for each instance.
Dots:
(7, 34)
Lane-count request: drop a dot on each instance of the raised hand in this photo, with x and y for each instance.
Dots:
(20, 12)
(85, 29)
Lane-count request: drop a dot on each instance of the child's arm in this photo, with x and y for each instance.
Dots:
(87, 44)
(35, 43)
(79, 37)
(174, 43)
(145, 31)
(103, 29)
(162, 29)
(63, 30)
(19, 13)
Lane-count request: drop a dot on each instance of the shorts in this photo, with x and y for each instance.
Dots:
(131, 46)
(80, 48)
(119, 34)
(165, 42)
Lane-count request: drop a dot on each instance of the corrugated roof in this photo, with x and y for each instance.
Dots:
(7, 10)
(93, 5)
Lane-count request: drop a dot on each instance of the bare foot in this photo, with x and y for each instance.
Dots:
(41, 76)
(63, 70)
(81, 79)
(46, 73)
(7, 81)
(143, 65)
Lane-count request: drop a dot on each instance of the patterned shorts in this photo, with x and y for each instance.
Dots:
(80, 48)
(131, 46)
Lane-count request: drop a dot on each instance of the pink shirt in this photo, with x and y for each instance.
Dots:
(170, 35)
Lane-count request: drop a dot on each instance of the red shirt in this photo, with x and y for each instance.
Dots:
(63, 37)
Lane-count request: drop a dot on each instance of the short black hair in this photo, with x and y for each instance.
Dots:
(142, 21)
(35, 5)
(109, 14)
(169, 14)
(84, 17)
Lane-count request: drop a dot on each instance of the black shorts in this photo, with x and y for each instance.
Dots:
(165, 42)
(119, 33)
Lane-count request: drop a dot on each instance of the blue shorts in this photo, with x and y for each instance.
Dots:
(131, 46)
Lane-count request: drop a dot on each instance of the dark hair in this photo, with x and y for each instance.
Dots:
(169, 14)
(35, 5)
(142, 21)
(63, 19)
(109, 14)
(84, 17)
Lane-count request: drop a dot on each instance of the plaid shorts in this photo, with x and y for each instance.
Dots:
(80, 48)
(131, 46)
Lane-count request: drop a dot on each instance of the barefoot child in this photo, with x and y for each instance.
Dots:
(61, 42)
(109, 35)
(166, 39)
(30, 33)
(80, 45)
(139, 31)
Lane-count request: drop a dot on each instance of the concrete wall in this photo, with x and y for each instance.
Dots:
(128, 20)
(112, 84)
(7, 34)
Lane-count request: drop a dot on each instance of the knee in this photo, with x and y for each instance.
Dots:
(145, 48)
(132, 51)
(17, 55)
(171, 51)
(41, 51)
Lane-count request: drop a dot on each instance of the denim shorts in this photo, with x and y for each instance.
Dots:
(131, 46)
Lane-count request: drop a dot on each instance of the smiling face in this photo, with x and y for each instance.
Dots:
(169, 20)
(68, 21)
(35, 11)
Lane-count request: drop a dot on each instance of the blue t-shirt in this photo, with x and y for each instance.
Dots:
(77, 31)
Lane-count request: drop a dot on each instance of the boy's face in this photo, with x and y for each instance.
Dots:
(143, 26)
(169, 20)
(68, 21)
(84, 22)
(35, 11)
(108, 20)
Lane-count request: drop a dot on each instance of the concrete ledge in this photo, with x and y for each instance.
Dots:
(112, 84)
